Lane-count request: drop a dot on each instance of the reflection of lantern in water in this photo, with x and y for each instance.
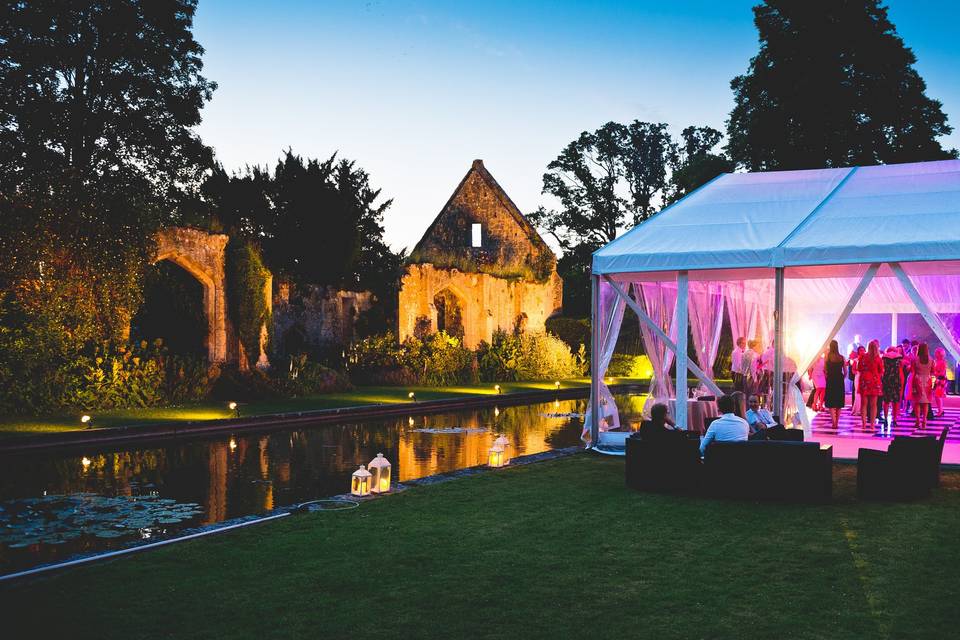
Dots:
(496, 457)
(85, 462)
(360, 485)
(410, 421)
(556, 404)
(233, 444)
(496, 411)
(380, 469)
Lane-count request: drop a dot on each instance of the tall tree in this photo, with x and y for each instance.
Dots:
(98, 100)
(696, 162)
(832, 85)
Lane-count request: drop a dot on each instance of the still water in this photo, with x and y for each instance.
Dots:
(55, 506)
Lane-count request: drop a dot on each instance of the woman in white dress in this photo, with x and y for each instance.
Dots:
(819, 377)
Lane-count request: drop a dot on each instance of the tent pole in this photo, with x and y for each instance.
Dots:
(893, 329)
(777, 382)
(944, 335)
(682, 330)
(647, 320)
(595, 348)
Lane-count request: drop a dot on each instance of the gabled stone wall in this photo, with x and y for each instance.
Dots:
(487, 303)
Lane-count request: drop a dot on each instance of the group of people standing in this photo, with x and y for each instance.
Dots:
(901, 380)
(752, 368)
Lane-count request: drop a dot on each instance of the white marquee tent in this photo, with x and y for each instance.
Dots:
(788, 256)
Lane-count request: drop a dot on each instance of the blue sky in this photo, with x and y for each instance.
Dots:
(414, 91)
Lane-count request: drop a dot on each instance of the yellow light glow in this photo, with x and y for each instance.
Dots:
(412, 395)
(557, 384)
(497, 388)
(84, 419)
(556, 404)
(384, 485)
(496, 411)
(233, 444)
(410, 421)
(85, 462)
(232, 405)
(495, 459)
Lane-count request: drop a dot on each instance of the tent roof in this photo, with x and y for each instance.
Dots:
(902, 212)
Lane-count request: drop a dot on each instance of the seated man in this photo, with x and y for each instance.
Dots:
(728, 427)
(758, 419)
(658, 425)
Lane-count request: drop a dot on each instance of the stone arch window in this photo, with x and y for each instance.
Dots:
(449, 308)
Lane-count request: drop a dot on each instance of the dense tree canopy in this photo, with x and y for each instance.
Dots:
(616, 176)
(832, 85)
(97, 104)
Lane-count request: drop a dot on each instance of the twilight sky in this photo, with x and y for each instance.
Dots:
(415, 90)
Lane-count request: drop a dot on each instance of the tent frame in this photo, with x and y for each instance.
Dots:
(679, 349)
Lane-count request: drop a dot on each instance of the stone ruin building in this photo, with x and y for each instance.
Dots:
(480, 266)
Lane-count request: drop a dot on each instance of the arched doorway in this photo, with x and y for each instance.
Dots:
(172, 311)
(449, 308)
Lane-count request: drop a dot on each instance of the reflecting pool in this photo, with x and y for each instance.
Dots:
(54, 506)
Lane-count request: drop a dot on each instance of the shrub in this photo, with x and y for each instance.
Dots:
(630, 366)
(573, 331)
(527, 356)
(246, 281)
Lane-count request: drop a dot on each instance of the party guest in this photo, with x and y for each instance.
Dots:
(728, 427)
(870, 368)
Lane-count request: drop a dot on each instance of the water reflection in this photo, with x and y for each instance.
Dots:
(253, 474)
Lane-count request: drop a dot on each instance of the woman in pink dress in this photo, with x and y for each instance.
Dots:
(870, 368)
(922, 384)
(940, 379)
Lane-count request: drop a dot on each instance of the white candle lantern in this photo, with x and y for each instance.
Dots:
(496, 459)
(380, 468)
(502, 442)
(361, 482)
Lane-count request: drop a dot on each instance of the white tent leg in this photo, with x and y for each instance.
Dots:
(893, 329)
(777, 382)
(946, 338)
(682, 358)
(691, 366)
(595, 350)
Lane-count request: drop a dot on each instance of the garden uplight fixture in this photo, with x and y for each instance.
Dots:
(235, 408)
(380, 468)
(360, 485)
(85, 419)
(557, 385)
(412, 396)
(497, 387)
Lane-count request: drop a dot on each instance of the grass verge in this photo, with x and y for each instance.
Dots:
(554, 550)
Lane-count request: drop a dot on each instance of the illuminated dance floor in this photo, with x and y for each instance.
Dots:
(850, 436)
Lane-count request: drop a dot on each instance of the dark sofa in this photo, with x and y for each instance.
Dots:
(907, 470)
(769, 469)
(667, 463)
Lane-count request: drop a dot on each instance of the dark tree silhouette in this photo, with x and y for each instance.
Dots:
(832, 85)
(696, 163)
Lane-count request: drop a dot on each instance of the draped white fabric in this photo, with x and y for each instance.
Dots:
(659, 301)
(706, 322)
(749, 307)
(610, 314)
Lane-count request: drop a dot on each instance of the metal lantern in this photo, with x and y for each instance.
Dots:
(496, 458)
(361, 482)
(502, 442)
(380, 468)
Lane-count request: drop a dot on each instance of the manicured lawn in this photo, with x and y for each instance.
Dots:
(555, 550)
(215, 410)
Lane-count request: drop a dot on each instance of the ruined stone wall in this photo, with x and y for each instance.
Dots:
(508, 244)
(487, 302)
(322, 315)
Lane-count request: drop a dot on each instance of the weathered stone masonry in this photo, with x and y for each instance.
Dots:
(503, 277)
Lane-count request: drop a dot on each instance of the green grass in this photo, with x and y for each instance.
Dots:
(14, 426)
(555, 550)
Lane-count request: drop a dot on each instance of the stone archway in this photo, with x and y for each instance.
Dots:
(448, 307)
(203, 256)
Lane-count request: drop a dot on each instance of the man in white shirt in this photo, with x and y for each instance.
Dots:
(736, 364)
(728, 427)
(758, 418)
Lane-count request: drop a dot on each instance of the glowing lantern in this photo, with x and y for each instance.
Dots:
(496, 458)
(360, 486)
(503, 443)
(380, 468)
